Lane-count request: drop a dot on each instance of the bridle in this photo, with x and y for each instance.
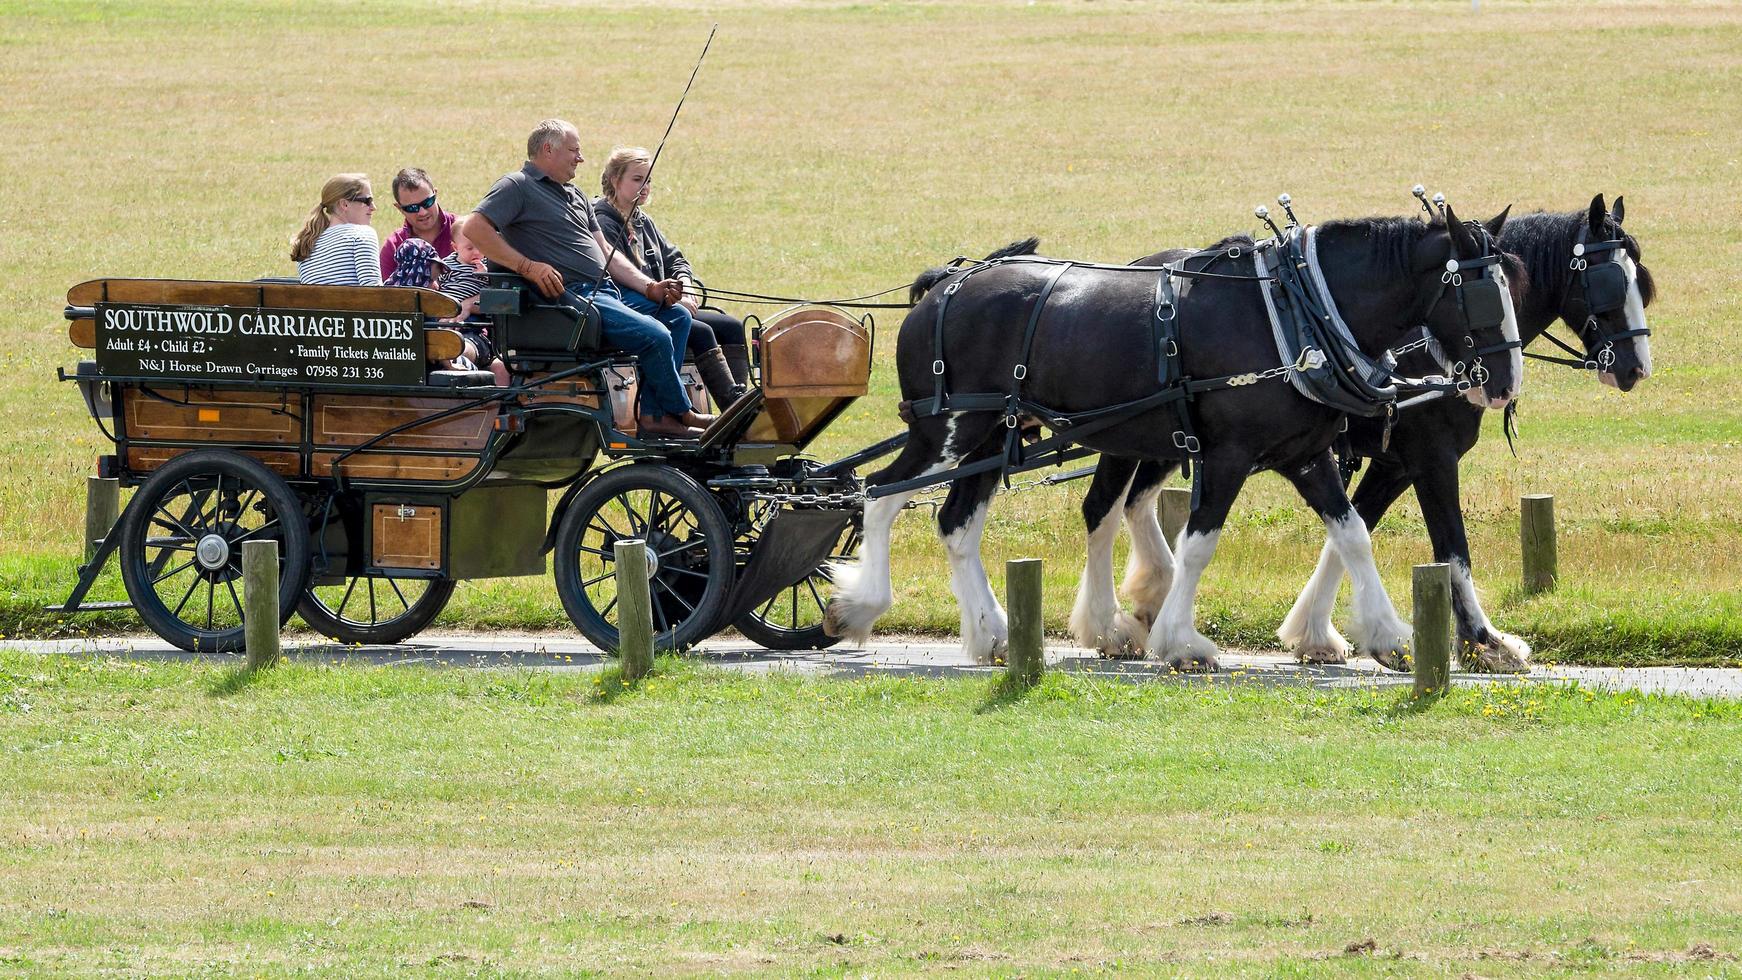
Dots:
(1603, 286)
(1480, 305)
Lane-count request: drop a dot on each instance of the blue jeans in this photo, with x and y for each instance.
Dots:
(636, 325)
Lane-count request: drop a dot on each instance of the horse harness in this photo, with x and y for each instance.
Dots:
(1319, 356)
(1603, 285)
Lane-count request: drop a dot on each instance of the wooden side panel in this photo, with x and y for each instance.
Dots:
(406, 536)
(623, 383)
(178, 291)
(815, 351)
(222, 416)
(574, 391)
(391, 466)
(693, 387)
(83, 333)
(790, 420)
(144, 459)
(351, 420)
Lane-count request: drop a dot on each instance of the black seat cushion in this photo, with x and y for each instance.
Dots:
(543, 330)
(461, 379)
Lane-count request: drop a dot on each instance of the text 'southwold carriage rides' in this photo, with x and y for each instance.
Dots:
(308, 416)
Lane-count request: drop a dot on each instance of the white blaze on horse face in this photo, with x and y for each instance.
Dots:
(1509, 330)
(1636, 317)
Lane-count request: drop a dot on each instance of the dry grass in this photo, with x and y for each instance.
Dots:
(839, 148)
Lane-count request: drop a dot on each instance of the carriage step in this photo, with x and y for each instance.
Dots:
(90, 607)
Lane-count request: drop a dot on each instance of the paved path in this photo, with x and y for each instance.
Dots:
(923, 656)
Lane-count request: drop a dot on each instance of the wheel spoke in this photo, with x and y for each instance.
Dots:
(404, 604)
(811, 583)
(211, 591)
(345, 600)
(795, 606)
(674, 594)
(231, 584)
(185, 596)
(674, 570)
(608, 607)
(175, 571)
(374, 617)
(264, 527)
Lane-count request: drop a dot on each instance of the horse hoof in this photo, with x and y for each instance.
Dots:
(1394, 659)
(1502, 654)
(1323, 656)
(1190, 662)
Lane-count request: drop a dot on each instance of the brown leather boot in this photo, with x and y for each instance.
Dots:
(717, 378)
(738, 360)
(668, 426)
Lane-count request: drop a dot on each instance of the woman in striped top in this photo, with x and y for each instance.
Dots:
(336, 246)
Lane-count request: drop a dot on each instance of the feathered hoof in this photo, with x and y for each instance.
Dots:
(1323, 655)
(1502, 654)
(988, 654)
(1193, 653)
(845, 622)
(1387, 643)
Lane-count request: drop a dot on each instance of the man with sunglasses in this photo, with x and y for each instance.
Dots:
(415, 197)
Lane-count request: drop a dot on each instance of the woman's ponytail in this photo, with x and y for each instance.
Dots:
(321, 217)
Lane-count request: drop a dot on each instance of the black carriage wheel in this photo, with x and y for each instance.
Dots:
(688, 539)
(374, 609)
(793, 619)
(181, 546)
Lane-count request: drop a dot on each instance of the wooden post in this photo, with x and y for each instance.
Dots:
(1536, 538)
(1176, 507)
(102, 503)
(1432, 647)
(1026, 658)
(260, 602)
(634, 610)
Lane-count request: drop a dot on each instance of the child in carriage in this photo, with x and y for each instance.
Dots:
(460, 277)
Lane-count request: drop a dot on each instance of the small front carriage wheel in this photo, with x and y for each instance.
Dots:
(689, 554)
(181, 546)
(374, 609)
(793, 618)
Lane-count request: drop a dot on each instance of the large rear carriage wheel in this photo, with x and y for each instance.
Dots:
(181, 546)
(690, 554)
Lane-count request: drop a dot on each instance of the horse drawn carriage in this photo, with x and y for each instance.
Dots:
(315, 417)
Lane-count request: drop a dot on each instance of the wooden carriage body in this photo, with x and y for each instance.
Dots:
(411, 473)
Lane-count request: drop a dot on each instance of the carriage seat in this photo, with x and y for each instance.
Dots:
(461, 379)
(532, 332)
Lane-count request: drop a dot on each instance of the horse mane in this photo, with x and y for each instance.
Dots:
(924, 282)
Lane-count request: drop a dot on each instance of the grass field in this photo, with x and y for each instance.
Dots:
(334, 820)
(836, 148)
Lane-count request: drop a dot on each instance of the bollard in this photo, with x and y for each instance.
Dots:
(260, 619)
(1537, 540)
(102, 503)
(1432, 646)
(1026, 657)
(634, 610)
(1176, 508)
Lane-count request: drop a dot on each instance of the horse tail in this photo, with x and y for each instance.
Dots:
(924, 282)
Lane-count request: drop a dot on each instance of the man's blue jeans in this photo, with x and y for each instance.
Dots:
(636, 325)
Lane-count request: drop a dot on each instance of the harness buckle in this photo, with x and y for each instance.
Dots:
(1020, 372)
(1010, 421)
(1164, 311)
(1172, 347)
(937, 366)
(950, 290)
(1188, 443)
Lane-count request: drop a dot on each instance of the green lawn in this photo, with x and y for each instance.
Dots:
(363, 821)
(839, 148)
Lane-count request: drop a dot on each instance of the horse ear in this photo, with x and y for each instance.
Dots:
(1463, 244)
(1494, 224)
(1620, 210)
(1599, 211)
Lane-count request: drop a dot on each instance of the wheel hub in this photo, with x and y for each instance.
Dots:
(212, 552)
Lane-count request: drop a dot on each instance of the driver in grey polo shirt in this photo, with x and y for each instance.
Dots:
(534, 222)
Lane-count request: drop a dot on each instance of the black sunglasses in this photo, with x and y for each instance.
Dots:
(424, 205)
(365, 201)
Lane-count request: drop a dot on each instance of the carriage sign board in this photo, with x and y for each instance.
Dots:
(237, 343)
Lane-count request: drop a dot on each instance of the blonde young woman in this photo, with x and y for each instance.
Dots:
(336, 246)
(716, 339)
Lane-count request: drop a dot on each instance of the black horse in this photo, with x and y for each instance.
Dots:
(1094, 345)
(1425, 446)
